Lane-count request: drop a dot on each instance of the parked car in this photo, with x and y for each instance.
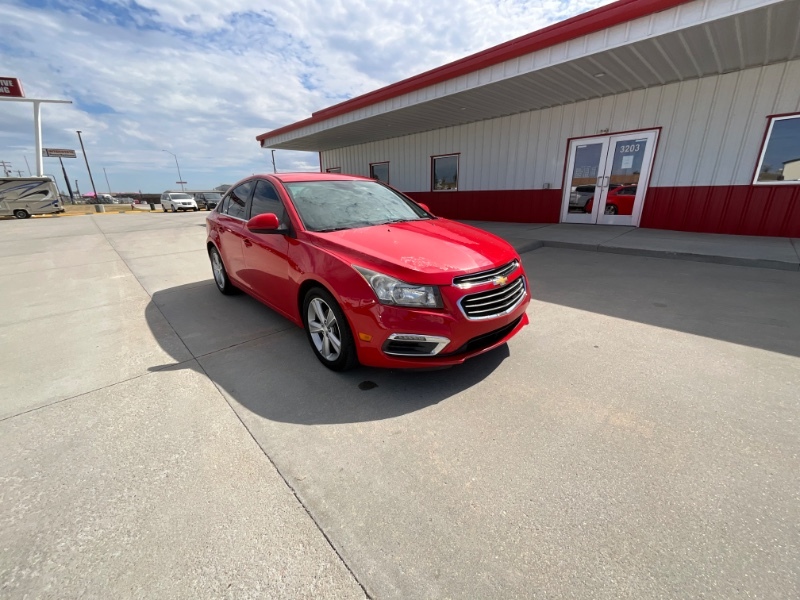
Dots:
(579, 200)
(176, 201)
(619, 201)
(372, 276)
(206, 200)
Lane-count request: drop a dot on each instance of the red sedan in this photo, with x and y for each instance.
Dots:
(619, 201)
(373, 277)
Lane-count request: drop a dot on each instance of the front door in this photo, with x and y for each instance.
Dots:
(607, 178)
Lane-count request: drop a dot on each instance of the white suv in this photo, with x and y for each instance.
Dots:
(176, 201)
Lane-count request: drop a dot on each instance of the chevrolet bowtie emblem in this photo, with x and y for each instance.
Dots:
(500, 280)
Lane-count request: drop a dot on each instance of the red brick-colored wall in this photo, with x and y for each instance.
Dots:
(735, 209)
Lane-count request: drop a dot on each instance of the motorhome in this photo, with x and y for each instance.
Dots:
(23, 197)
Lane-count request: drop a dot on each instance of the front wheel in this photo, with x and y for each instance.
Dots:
(21, 214)
(224, 284)
(328, 332)
(195, 209)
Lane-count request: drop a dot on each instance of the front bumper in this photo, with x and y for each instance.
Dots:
(378, 328)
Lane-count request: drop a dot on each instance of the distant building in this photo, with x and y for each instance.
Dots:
(791, 170)
(686, 108)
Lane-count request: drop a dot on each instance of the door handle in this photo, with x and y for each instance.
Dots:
(608, 179)
(247, 242)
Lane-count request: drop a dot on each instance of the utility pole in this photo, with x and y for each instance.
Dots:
(19, 173)
(6, 167)
(108, 185)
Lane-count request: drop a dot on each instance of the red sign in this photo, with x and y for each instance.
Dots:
(10, 87)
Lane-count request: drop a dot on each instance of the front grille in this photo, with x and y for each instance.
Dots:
(495, 302)
(487, 339)
(468, 281)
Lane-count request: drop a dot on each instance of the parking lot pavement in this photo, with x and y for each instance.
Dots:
(638, 440)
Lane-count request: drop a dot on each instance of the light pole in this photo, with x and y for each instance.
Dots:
(274, 170)
(108, 185)
(180, 179)
(91, 179)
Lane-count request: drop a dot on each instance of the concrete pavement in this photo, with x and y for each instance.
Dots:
(638, 440)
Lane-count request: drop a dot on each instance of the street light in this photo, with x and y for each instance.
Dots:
(91, 179)
(180, 179)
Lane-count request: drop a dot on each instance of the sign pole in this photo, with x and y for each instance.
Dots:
(69, 187)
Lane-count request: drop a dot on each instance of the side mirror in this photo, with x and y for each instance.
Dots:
(264, 223)
(424, 207)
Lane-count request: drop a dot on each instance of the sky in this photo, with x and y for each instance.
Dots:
(202, 78)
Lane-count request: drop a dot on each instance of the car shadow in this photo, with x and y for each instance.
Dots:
(263, 362)
(742, 305)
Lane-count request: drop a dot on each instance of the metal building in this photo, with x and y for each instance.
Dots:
(655, 113)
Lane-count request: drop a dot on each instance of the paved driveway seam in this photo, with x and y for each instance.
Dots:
(250, 433)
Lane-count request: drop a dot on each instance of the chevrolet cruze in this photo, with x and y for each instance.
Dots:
(373, 277)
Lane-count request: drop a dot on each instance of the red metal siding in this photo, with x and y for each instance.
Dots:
(735, 209)
(511, 206)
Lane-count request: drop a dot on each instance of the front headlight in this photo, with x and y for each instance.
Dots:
(399, 293)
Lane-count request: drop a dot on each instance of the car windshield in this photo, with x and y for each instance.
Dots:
(335, 205)
(180, 197)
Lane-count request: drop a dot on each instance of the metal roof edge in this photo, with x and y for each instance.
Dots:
(586, 23)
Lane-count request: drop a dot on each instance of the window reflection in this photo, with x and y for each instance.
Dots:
(781, 159)
(445, 173)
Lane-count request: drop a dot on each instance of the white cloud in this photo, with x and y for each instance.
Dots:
(202, 78)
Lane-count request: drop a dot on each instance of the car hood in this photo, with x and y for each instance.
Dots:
(419, 250)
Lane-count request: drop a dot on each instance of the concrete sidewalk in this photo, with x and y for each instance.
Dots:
(742, 250)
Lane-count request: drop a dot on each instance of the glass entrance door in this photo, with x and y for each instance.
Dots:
(607, 178)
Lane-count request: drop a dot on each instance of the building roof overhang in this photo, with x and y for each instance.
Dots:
(625, 46)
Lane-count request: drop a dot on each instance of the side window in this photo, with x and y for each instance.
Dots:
(379, 171)
(444, 172)
(222, 207)
(235, 205)
(266, 200)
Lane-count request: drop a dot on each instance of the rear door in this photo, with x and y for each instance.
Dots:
(231, 228)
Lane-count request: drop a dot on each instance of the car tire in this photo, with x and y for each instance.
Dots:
(21, 214)
(221, 278)
(328, 331)
(611, 209)
(174, 209)
(195, 209)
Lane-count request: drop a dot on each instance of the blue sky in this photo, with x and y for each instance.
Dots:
(202, 78)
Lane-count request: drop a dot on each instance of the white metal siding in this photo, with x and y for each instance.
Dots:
(712, 132)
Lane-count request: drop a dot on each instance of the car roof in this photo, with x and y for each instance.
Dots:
(314, 176)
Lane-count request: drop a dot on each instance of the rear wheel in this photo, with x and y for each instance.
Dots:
(611, 209)
(328, 332)
(21, 214)
(224, 284)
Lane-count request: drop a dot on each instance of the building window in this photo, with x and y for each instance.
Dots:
(444, 173)
(333, 170)
(780, 157)
(379, 171)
